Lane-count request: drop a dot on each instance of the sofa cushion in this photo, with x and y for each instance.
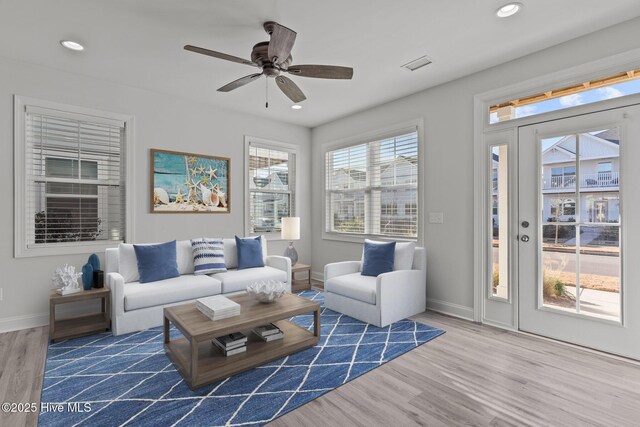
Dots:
(231, 252)
(128, 263)
(403, 256)
(156, 262)
(183, 288)
(249, 252)
(237, 280)
(355, 286)
(208, 256)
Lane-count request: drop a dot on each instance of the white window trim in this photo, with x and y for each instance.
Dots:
(20, 245)
(274, 145)
(483, 129)
(416, 125)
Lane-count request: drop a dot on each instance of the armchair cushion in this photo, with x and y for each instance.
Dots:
(355, 286)
(403, 256)
(377, 258)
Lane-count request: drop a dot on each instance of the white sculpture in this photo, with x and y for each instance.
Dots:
(267, 290)
(65, 280)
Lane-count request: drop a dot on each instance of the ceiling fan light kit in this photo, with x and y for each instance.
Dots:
(274, 58)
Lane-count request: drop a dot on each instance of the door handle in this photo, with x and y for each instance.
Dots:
(524, 238)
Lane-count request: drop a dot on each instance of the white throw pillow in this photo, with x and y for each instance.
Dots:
(402, 257)
(231, 251)
(208, 256)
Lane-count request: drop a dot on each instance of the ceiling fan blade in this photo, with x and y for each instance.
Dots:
(219, 55)
(282, 39)
(240, 82)
(289, 88)
(321, 71)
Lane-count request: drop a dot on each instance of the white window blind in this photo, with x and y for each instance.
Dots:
(271, 188)
(74, 182)
(372, 188)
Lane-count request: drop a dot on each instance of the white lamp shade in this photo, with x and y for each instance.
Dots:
(290, 228)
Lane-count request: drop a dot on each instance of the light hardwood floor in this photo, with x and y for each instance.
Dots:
(472, 375)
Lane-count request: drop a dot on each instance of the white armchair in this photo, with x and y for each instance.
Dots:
(378, 300)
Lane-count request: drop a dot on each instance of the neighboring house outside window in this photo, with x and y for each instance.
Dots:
(372, 188)
(70, 191)
(271, 186)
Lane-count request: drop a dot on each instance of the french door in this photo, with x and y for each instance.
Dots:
(579, 230)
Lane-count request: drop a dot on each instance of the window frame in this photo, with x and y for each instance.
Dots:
(252, 141)
(416, 125)
(21, 250)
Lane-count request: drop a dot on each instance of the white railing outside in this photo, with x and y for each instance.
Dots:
(597, 180)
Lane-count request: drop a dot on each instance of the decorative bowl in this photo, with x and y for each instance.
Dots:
(267, 291)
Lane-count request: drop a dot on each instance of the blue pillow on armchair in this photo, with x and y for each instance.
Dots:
(378, 258)
(249, 252)
(157, 262)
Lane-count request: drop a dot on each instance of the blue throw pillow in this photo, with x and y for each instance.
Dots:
(378, 258)
(249, 252)
(157, 262)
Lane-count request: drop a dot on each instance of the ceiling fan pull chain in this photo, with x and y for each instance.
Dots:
(266, 85)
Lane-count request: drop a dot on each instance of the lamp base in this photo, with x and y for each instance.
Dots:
(291, 253)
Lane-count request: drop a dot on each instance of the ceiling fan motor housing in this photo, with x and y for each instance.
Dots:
(260, 56)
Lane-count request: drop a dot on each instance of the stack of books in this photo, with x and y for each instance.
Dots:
(231, 344)
(218, 307)
(269, 332)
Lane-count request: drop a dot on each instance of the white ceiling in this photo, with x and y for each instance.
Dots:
(139, 43)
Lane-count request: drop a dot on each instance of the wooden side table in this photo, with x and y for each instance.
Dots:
(85, 324)
(300, 285)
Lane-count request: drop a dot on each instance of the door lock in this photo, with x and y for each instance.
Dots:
(525, 224)
(524, 238)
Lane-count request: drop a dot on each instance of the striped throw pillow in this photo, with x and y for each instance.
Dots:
(208, 256)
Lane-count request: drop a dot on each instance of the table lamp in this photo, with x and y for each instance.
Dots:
(291, 231)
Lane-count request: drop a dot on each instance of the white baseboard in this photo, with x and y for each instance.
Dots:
(36, 320)
(317, 275)
(16, 323)
(450, 309)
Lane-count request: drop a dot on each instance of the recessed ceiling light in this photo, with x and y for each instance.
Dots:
(69, 44)
(296, 107)
(508, 10)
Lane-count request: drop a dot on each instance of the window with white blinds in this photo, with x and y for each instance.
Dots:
(74, 179)
(372, 188)
(271, 187)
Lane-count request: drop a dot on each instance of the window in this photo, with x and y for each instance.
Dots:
(563, 176)
(72, 193)
(560, 207)
(617, 85)
(372, 188)
(271, 187)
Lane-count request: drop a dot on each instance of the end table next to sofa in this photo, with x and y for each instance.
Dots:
(77, 326)
(298, 285)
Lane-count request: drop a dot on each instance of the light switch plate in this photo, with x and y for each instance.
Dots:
(436, 217)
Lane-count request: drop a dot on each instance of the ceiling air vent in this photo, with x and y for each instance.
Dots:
(417, 63)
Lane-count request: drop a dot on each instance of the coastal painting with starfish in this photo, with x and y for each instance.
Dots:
(184, 182)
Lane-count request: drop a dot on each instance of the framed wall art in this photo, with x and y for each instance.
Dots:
(189, 183)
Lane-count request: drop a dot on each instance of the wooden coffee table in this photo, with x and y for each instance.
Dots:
(201, 363)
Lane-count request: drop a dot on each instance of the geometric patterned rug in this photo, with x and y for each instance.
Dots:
(128, 379)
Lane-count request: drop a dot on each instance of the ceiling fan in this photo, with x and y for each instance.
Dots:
(274, 58)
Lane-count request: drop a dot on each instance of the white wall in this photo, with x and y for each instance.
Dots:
(447, 111)
(161, 121)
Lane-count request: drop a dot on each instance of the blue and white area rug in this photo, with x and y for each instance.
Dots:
(103, 380)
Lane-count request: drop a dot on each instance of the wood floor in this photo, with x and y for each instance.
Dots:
(472, 375)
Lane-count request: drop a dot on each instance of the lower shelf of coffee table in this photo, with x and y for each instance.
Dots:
(213, 365)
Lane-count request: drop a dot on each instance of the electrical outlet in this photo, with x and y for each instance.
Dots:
(436, 217)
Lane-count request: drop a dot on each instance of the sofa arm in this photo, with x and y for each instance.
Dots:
(281, 263)
(115, 282)
(340, 269)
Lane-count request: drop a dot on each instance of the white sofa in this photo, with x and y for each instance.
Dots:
(136, 306)
(378, 300)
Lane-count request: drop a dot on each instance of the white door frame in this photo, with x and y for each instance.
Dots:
(574, 75)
